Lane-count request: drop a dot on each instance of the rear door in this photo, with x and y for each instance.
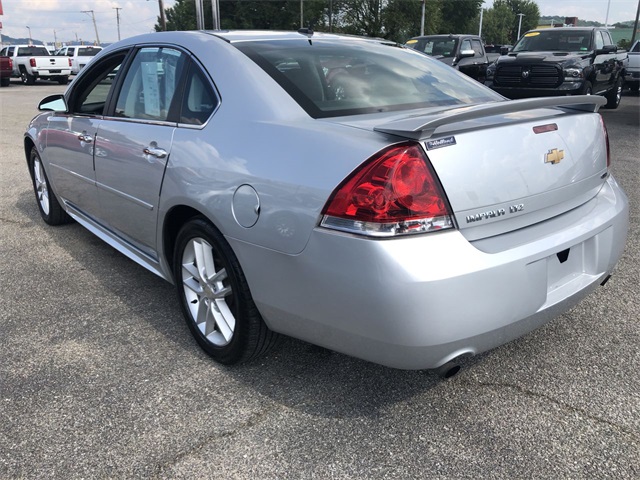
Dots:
(134, 144)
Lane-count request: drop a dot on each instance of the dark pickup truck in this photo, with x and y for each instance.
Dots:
(561, 61)
(463, 52)
(6, 69)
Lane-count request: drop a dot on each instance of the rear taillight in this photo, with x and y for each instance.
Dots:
(10, 64)
(32, 62)
(70, 63)
(606, 139)
(395, 192)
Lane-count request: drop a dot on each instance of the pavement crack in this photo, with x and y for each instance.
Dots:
(563, 405)
(250, 422)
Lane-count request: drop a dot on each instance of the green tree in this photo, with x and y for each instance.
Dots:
(530, 19)
(460, 16)
(497, 23)
(401, 19)
(248, 14)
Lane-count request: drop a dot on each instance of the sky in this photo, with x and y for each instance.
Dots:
(139, 16)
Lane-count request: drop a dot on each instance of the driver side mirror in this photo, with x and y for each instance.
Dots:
(504, 50)
(53, 103)
(607, 49)
(466, 53)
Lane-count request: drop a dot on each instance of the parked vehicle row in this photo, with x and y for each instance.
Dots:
(33, 62)
(544, 62)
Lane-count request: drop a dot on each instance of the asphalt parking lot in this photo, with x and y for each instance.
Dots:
(100, 377)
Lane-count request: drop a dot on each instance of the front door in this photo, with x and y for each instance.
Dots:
(134, 144)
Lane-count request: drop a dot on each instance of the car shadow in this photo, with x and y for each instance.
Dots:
(295, 375)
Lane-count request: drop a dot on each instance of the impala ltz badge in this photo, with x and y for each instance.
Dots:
(554, 156)
(441, 142)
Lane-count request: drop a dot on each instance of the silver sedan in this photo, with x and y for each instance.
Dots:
(344, 191)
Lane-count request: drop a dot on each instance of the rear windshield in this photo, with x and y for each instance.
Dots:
(32, 52)
(88, 52)
(441, 47)
(555, 41)
(331, 78)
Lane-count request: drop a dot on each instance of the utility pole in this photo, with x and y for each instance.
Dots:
(422, 17)
(519, 25)
(30, 40)
(117, 9)
(480, 28)
(199, 15)
(163, 20)
(55, 40)
(93, 17)
(606, 20)
(301, 14)
(635, 25)
(215, 11)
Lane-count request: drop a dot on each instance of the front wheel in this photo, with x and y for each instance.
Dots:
(50, 209)
(614, 95)
(587, 89)
(215, 297)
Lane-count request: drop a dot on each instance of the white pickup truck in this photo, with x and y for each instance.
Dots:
(79, 55)
(31, 62)
(632, 77)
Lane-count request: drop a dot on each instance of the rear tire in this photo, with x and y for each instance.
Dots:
(215, 297)
(4, 82)
(63, 80)
(587, 89)
(27, 79)
(614, 95)
(50, 209)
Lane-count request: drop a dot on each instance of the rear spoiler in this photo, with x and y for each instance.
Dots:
(424, 126)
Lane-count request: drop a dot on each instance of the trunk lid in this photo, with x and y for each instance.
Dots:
(508, 165)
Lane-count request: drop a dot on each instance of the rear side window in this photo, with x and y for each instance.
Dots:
(151, 84)
(199, 100)
(329, 78)
(88, 52)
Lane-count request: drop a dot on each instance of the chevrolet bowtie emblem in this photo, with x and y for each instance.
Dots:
(554, 156)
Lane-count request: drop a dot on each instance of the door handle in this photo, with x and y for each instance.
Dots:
(155, 151)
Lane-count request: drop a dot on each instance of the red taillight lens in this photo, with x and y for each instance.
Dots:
(70, 63)
(32, 62)
(606, 139)
(10, 64)
(395, 192)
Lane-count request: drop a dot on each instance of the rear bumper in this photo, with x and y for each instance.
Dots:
(416, 303)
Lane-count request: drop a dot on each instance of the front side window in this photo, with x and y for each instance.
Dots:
(477, 47)
(599, 41)
(351, 77)
(90, 94)
(151, 83)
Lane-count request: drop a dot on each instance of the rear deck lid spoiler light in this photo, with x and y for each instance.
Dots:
(424, 126)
